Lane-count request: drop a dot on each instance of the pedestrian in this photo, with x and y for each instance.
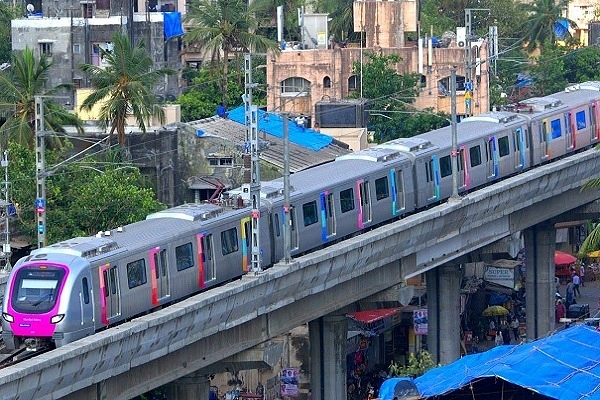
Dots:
(557, 284)
(560, 310)
(570, 293)
(576, 284)
(515, 327)
(317, 128)
(498, 341)
(582, 274)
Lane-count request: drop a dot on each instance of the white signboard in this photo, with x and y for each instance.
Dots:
(500, 276)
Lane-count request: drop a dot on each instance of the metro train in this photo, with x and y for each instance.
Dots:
(72, 289)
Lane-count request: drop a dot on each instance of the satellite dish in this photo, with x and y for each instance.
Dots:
(30, 8)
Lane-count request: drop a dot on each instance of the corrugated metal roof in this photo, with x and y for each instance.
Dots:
(300, 157)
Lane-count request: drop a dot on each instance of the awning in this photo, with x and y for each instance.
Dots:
(370, 316)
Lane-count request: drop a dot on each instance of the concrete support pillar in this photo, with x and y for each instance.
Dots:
(195, 386)
(540, 243)
(443, 310)
(328, 342)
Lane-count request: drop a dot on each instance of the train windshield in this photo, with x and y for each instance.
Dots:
(35, 289)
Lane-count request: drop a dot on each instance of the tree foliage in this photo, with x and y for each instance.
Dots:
(125, 86)
(19, 85)
(539, 28)
(81, 199)
(226, 27)
(390, 97)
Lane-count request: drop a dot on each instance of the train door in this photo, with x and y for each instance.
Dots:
(543, 138)
(293, 226)
(568, 130)
(595, 121)
(160, 275)
(206, 258)
(519, 145)
(110, 293)
(246, 243)
(432, 181)
(491, 158)
(398, 191)
(328, 211)
(364, 195)
(461, 168)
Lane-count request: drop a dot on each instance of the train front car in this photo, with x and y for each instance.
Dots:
(38, 308)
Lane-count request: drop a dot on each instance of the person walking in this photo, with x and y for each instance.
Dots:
(570, 294)
(582, 274)
(514, 324)
(576, 285)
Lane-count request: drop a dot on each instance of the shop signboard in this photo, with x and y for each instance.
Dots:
(420, 321)
(500, 275)
(289, 382)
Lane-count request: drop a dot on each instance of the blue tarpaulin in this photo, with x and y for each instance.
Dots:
(172, 24)
(561, 28)
(273, 125)
(565, 365)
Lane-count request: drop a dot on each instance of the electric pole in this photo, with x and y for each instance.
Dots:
(251, 149)
(454, 157)
(6, 250)
(40, 173)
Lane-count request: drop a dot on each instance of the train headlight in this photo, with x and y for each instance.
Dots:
(57, 318)
(8, 318)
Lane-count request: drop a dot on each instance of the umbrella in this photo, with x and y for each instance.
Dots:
(494, 311)
(562, 258)
(594, 254)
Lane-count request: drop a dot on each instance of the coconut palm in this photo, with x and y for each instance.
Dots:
(19, 85)
(545, 17)
(124, 87)
(222, 27)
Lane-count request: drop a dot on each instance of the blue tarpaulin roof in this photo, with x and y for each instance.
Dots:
(273, 125)
(565, 365)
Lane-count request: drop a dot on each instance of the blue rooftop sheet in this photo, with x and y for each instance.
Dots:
(273, 125)
(563, 366)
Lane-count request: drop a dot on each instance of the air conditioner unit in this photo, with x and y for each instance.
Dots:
(461, 36)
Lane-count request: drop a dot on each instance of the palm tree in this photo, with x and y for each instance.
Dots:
(222, 27)
(124, 86)
(545, 18)
(19, 85)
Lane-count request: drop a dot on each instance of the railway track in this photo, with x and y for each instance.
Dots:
(20, 354)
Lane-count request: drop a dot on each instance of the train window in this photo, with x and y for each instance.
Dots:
(163, 262)
(445, 166)
(347, 200)
(429, 170)
(105, 275)
(309, 210)
(503, 146)
(475, 155)
(580, 119)
(276, 226)
(382, 190)
(86, 290)
(136, 273)
(184, 257)
(229, 241)
(556, 128)
(113, 280)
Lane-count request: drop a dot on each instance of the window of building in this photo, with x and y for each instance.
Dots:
(382, 190)
(309, 211)
(220, 161)
(352, 84)
(327, 82)
(46, 49)
(347, 200)
(295, 85)
(184, 258)
(229, 241)
(136, 273)
(76, 48)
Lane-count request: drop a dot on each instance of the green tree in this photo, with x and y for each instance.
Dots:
(341, 13)
(125, 86)
(7, 14)
(227, 27)
(390, 97)
(19, 86)
(549, 70)
(581, 65)
(543, 17)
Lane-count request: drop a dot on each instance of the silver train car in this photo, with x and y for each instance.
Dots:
(72, 289)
